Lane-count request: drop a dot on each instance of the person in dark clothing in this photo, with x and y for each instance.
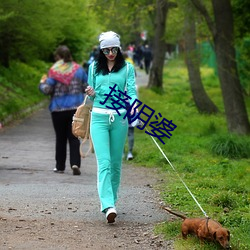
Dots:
(138, 56)
(147, 54)
(93, 55)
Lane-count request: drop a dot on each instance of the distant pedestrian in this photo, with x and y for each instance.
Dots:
(138, 56)
(131, 140)
(147, 54)
(93, 55)
(65, 84)
(108, 129)
(131, 129)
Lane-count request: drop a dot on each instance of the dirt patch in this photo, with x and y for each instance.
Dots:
(50, 234)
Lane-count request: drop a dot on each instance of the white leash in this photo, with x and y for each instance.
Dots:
(178, 175)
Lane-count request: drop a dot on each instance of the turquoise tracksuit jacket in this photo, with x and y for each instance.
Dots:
(124, 79)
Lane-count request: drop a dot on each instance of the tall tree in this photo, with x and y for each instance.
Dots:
(223, 38)
(201, 99)
(159, 44)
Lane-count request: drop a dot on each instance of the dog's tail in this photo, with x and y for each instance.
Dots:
(175, 213)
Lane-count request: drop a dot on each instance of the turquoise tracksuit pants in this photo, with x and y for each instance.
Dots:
(108, 133)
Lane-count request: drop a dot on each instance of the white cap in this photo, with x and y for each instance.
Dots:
(109, 39)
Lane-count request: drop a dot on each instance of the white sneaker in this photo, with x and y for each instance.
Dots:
(111, 214)
(76, 170)
(58, 171)
(129, 156)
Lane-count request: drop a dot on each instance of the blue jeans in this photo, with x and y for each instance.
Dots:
(108, 139)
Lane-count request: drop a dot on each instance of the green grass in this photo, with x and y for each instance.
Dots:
(214, 164)
(19, 88)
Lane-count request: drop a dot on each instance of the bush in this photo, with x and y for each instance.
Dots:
(19, 88)
(224, 200)
(230, 146)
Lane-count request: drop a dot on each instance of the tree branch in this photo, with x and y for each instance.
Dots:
(202, 9)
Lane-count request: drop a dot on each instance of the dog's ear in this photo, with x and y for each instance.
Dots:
(214, 235)
(228, 237)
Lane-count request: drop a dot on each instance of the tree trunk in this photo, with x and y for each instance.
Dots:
(159, 47)
(235, 109)
(201, 99)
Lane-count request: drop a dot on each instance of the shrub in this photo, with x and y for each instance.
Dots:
(230, 146)
(224, 200)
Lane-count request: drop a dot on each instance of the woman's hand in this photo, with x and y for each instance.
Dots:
(134, 109)
(43, 79)
(90, 91)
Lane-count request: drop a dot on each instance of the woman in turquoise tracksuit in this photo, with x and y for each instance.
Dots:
(108, 129)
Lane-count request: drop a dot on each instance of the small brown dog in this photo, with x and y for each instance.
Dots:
(204, 229)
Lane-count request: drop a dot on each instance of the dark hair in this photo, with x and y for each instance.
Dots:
(102, 67)
(64, 53)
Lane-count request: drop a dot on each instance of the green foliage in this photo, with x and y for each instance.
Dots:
(210, 129)
(175, 25)
(219, 183)
(241, 17)
(19, 87)
(128, 18)
(224, 200)
(231, 146)
(243, 60)
(28, 33)
(176, 18)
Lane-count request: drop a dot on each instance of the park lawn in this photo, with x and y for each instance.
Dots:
(220, 183)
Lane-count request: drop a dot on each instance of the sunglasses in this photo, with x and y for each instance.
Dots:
(106, 51)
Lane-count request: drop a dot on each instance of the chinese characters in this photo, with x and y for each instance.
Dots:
(160, 128)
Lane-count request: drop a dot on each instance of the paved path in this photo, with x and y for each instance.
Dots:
(141, 78)
(27, 160)
(26, 163)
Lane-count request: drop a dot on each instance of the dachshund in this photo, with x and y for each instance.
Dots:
(204, 229)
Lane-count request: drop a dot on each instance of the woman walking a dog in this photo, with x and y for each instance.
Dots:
(108, 129)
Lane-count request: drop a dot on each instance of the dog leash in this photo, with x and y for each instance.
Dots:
(179, 176)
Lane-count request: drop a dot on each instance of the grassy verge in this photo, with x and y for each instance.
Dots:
(213, 164)
(19, 88)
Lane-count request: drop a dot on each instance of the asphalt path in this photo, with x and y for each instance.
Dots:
(26, 164)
